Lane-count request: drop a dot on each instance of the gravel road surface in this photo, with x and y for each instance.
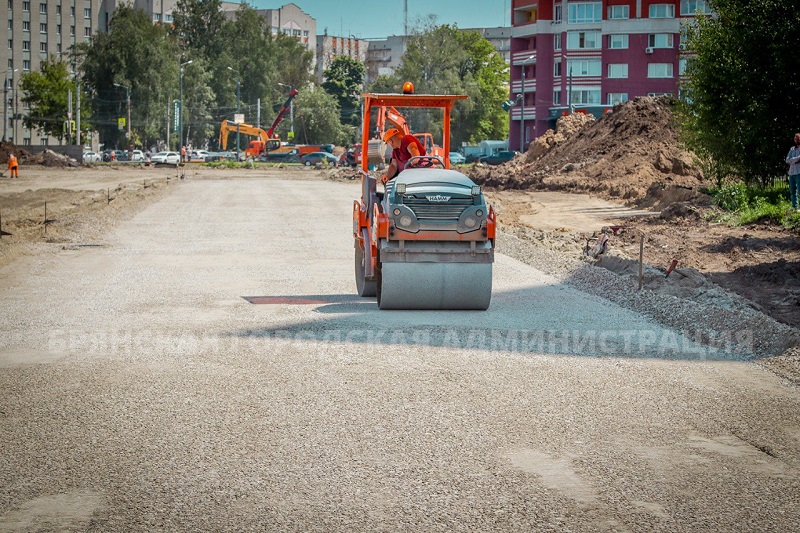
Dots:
(207, 366)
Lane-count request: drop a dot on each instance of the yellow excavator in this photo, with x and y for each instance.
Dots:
(266, 141)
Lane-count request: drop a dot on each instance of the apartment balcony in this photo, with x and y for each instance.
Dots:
(530, 113)
(530, 86)
(526, 57)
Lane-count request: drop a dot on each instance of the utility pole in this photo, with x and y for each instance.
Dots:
(69, 116)
(238, 103)
(180, 106)
(78, 114)
(258, 114)
(128, 115)
(522, 115)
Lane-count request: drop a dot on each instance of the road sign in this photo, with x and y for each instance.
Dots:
(121, 123)
(176, 114)
(238, 118)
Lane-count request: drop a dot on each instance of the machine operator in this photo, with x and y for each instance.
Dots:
(404, 147)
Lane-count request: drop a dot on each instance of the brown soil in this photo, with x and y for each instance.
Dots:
(633, 155)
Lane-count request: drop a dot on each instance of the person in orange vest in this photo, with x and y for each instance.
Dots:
(183, 154)
(13, 166)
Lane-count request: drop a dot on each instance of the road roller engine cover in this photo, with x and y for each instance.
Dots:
(428, 241)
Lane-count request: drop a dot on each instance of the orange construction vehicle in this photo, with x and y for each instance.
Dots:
(266, 141)
(428, 241)
(262, 143)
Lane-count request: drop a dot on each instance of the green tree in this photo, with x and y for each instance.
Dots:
(317, 118)
(47, 94)
(742, 94)
(198, 101)
(344, 80)
(141, 56)
(447, 60)
(199, 27)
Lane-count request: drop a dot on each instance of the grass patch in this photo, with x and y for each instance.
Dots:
(739, 205)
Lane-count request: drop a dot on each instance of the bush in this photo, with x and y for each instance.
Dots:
(740, 205)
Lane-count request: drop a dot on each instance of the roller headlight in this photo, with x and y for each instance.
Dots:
(396, 211)
(479, 213)
(400, 188)
(405, 221)
(470, 222)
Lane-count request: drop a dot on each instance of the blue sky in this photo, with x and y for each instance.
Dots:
(378, 19)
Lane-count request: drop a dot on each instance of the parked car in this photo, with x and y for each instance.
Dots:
(457, 158)
(92, 157)
(199, 155)
(215, 156)
(119, 155)
(167, 158)
(319, 157)
(498, 158)
(137, 155)
(280, 157)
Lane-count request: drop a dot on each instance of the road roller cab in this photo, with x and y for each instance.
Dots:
(428, 241)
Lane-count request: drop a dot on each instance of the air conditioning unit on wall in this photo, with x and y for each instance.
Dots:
(681, 47)
(648, 50)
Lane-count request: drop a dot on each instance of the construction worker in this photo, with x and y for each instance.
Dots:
(13, 166)
(404, 147)
(183, 154)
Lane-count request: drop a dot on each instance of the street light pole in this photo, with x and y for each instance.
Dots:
(5, 98)
(180, 105)
(128, 114)
(238, 103)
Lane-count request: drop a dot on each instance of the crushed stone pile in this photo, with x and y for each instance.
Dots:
(631, 153)
(49, 158)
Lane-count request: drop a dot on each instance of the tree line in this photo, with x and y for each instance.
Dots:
(209, 59)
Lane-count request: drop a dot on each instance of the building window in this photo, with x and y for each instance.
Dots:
(26, 6)
(617, 98)
(72, 30)
(26, 25)
(662, 11)
(583, 40)
(585, 96)
(72, 11)
(557, 97)
(557, 41)
(10, 6)
(690, 7)
(619, 12)
(43, 9)
(583, 13)
(10, 25)
(681, 67)
(659, 70)
(618, 42)
(660, 40)
(557, 69)
(305, 33)
(26, 64)
(58, 48)
(156, 17)
(87, 13)
(87, 32)
(42, 27)
(43, 47)
(11, 43)
(558, 14)
(617, 70)
(26, 46)
(584, 67)
(168, 18)
(58, 29)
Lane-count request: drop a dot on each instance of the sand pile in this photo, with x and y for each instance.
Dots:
(7, 148)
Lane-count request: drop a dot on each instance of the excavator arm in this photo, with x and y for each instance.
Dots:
(283, 110)
(246, 129)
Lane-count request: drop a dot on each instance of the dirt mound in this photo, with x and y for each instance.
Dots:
(631, 153)
(7, 148)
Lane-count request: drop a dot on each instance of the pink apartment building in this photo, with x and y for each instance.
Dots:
(585, 55)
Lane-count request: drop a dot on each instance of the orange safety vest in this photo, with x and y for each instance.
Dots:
(12, 162)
